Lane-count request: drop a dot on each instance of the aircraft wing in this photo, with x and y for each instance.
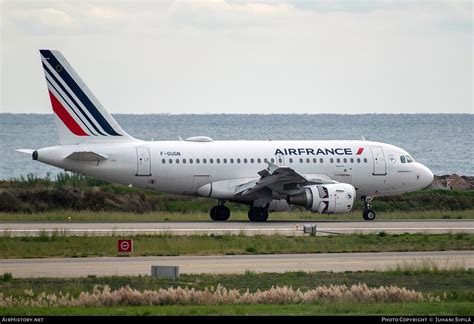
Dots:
(277, 177)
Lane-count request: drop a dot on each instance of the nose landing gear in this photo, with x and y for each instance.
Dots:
(220, 212)
(368, 213)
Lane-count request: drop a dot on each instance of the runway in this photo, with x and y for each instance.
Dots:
(246, 228)
(336, 262)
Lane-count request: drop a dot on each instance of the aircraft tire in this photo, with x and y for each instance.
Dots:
(368, 214)
(258, 214)
(220, 213)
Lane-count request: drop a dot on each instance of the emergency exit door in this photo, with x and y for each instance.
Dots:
(143, 161)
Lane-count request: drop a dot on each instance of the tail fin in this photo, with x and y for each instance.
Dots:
(81, 118)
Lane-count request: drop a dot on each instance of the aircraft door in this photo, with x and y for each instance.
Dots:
(143, 161)
(380, 167)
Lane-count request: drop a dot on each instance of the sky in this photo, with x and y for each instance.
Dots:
(219, 56)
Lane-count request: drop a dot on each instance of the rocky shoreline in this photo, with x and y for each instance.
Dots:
(452, 182)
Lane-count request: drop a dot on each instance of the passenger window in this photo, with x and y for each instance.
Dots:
(184, 161)
(245, 160)
(301, 160)
(231, 160)
(265, 160)
(345, 160)
(338, 160)
(402, 159)
(190, 161)
(211, 161)
(291, 160)
(307, 160)
(225, 161)
(331, 160)
(365, 160)
(177, 161)
(170, 161)
(204, 161)
(197, 161)
(352, 160)
(238, 160)
(272, 160)
(259, 161)
(280, 160)
(218, 161)
(251, 160)
(163, 161)
(321, 160)
(315, 160)
(358, 160)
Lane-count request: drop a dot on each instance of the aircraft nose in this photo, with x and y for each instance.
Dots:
(426, 176)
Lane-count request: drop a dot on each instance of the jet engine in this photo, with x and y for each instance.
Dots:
(335, 198)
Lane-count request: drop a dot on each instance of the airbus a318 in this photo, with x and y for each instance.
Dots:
(269, 176)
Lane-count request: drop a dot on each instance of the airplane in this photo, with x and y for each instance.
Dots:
(269, 176)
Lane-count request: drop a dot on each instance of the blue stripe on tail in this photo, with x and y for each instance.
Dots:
(79, 93)
(72, 99)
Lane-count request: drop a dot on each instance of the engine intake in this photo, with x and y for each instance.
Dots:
(335, 198)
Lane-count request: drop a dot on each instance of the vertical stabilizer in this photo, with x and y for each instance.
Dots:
(80, 116)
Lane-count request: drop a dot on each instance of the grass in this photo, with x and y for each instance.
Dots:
(452, 285)
(61, 245)
(111, 216)
(407, 309)
(75, 192)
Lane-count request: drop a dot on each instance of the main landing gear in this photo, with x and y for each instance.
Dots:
(220, 212)
(368, 213)
(258, 214)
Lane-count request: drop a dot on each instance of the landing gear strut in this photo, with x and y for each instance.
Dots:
(368, 213)
(220, 212)
(258, 214)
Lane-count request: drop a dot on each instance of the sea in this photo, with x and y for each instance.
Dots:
(442, 142)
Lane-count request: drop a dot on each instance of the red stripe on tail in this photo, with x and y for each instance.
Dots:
(66, 118)
(360, 150)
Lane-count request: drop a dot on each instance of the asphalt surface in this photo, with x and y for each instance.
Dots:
(336, 262)
(245, 227)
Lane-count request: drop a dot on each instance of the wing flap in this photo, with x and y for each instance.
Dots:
(274, 174)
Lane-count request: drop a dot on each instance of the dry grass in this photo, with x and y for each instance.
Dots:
(126, 296)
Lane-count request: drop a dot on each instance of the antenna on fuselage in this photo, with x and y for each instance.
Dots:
(180, 138)
(363, 137)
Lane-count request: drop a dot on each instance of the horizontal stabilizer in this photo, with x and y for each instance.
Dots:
(86, 156)
(26, 151)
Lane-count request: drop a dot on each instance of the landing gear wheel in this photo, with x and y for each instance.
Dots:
(220, 213)
(258, 214)
(368, 214)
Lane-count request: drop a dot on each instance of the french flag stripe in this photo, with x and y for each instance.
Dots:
(59, 96)
(79, 93)
(65, 117)
(360, 150)
(57, 82)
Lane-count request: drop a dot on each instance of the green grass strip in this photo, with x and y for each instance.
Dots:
(410, 309)
(59, 245)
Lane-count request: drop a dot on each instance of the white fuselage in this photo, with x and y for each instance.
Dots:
(183, 167)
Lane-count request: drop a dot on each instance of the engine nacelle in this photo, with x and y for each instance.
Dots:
(335, 198)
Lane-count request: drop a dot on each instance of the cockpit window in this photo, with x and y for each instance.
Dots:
(406, 159)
